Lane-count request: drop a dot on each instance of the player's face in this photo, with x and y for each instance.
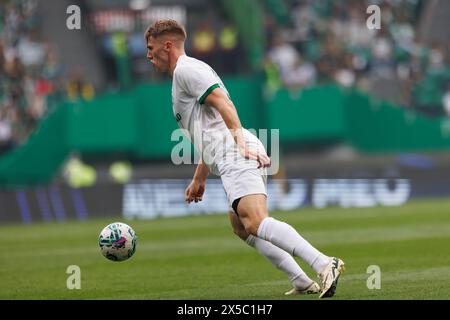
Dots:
(158, 54)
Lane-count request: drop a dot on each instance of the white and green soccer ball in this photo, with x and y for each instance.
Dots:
(117, 241)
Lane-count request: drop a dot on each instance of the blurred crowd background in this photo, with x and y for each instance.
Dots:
(86, 123)
(305, 43)
(329, 41)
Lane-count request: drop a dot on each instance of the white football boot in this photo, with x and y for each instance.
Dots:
(313, 288)
(329, 277)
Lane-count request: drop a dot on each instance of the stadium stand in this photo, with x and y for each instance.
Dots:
(29, 72)
(304, 46)
(332, 43)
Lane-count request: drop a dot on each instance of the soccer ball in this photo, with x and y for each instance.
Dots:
(117, 241)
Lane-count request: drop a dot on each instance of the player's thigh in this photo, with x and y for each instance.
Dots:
(242, 182)
(252, 210)
(238, 227)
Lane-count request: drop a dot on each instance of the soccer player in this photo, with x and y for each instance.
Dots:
(202, 106)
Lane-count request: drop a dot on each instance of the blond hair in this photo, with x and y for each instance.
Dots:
(165, 27)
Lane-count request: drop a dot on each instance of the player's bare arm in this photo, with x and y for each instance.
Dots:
(194, 192)
(219, 100)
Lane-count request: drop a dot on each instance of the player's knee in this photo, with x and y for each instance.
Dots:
(238, 228)
(252, 223)
(252, 227)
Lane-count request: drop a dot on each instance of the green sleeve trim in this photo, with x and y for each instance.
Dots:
(206, 94)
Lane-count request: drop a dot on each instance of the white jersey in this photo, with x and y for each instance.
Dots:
(193, 81)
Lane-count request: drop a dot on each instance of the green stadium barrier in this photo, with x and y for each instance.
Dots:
(139, 124)
(106, 124)
(315, 115)
(38, 158)
(380, 127)
(156, 119)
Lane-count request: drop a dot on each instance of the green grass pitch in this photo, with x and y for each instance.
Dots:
(199, 257)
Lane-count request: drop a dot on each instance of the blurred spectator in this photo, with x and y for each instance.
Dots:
(31, 51)
(29, 72)
(430, 87)
(204, 42)
(52, 69)
(382, 55)
(228, 38)
(303, 74)
(302, 17)
(329, 59)
(6, 135)
(293, 71)
(331, 38)
(120, 50)
(78, 88)
(229, 52)
(283, 54)
(446, 101)
(344, 74)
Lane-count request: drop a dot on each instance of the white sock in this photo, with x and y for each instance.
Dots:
(287, 238)
(282, 260)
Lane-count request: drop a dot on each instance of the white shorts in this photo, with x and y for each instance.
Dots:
(241, 177)
(244, 183)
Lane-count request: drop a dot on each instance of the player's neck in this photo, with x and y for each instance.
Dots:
(174, 60)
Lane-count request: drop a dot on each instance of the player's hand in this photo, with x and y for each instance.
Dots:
(262, 158)
(194, 192)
